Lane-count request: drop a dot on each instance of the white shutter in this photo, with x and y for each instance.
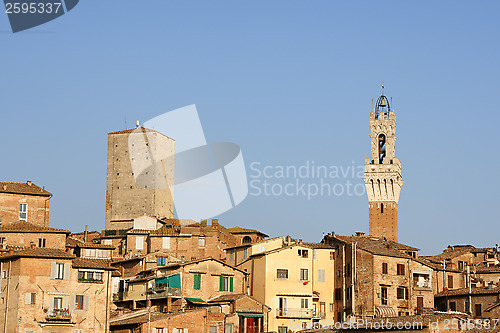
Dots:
(72, 302)
(27, 298)
(53, 270)
(65, 303)
(51, 303)
(166, 242)
(175, 330)
(185, 330)
(139, 242)
(67, 267)
(155, 330)
(85, 302)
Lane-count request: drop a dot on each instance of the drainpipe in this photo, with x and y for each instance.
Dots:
(444, 274)
(343, 284)
(470, 290)
(107, 301)
(353, 279)
(7, 300)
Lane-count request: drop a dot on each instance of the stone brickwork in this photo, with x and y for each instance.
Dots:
(37, 202)
(129, 196)
(383, 217)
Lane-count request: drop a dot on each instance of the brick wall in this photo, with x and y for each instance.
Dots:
(38, 208)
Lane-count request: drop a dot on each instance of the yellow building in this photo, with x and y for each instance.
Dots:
(295, 279)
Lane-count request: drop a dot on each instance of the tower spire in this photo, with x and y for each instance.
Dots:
(383, 172)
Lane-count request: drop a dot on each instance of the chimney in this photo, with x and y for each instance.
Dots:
(29, 182)
(137, 123)
(360, 233)
(215, 222)
(203, 223)
(11, 251)
(85, 235)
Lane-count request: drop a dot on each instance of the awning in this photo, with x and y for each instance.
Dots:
(384, 311)
(247, 314)
(161, 281)
(195, 300)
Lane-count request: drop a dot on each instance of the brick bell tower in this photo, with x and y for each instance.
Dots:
(383, 172)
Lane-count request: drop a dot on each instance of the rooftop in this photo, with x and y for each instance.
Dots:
(23, 226)
(23, 188)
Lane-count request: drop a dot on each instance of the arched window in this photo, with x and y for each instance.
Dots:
(247, 239)
(381, 148)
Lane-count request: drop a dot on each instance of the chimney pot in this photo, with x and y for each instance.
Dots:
(215, 222)
(204, 223)
(29, 182)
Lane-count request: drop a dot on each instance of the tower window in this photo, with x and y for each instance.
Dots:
(381, 208)
(381, 148)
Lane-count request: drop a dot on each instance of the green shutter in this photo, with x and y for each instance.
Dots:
(197, 281)
(174, 281)
(221, 283)
(231, 283)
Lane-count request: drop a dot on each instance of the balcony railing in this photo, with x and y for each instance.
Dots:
(294, 313)
(163, 292)
(319, 314)
(58, 314)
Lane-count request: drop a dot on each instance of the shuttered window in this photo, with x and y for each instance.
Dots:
(321, 275)
(197, 281)
(226, 283)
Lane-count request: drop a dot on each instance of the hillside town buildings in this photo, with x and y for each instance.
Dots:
(150, 272)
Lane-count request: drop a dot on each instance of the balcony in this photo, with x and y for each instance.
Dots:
(319, 314)
(294, 313)
(164, 292)
(58, 314)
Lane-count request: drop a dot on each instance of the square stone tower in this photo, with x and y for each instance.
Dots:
(383, 173)
(140, 177)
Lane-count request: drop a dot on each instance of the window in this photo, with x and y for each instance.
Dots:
(4, 274)
(245, 253)
(23, 212)
(303, 325)
(197, 281)
(166, 242)
(282, 329)
(348, 293)
(331, 307)
(332, 255)
(338, 294)
(453, 306)
(89, 275)
(348, 270)
(402, 293)
(231, 255)
(381, 208)
(98, 276)
(226, 283)
(338, 272)
(59, 273)
(321, 275)
(2, 240)
(282, 273)
(79, 299)
(304, 303)
(201, 241)
(108, 242)
(304, 274)
(477, 308)
(401, 269)
(81, 275)
(228, 328)
(450, 281)
(383, 295)
(303, 253)
(139, 242)
(246, 240)
(58, 303)
(212, 329)
(460, 265)
(42, 242)
(161, 261)
(385, 269)
(30, 298)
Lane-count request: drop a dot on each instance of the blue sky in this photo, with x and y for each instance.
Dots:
(289, 81)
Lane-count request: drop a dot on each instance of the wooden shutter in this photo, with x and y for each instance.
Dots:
(197, 281)
(231, 283)
(53, 270)
(72, 302)
(67, 267)
(221, 283)
(85, 302)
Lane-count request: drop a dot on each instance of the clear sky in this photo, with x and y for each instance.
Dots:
(291, 82)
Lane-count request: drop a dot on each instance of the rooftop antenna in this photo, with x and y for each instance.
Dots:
(125, 121)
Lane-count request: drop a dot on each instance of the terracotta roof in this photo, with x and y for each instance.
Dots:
(378, 246)
(95, 246)
(317, 245)
(492, 306)
(166, 231)
(486, 269)
(23, 226)
(153, 316)
(23, 188)
(453, 252)
(465, 291)
(39, 252)
(232, 298)
(143, 129)
(240, 230)
(93, 263)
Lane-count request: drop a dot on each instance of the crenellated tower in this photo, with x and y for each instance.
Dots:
(383, 172)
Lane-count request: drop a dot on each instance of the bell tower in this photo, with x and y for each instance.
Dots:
(383, 172)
